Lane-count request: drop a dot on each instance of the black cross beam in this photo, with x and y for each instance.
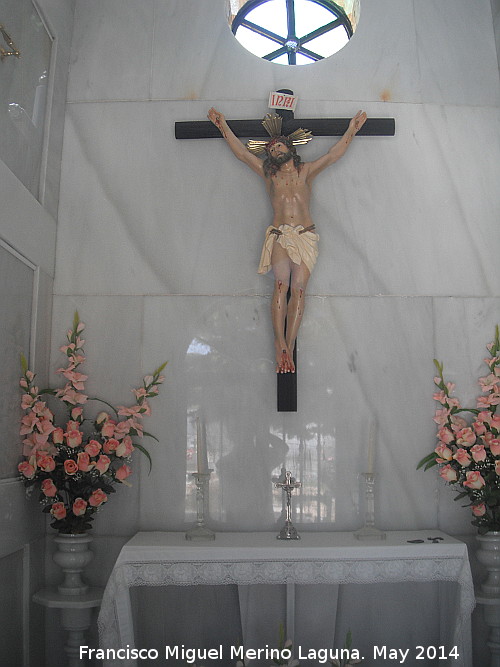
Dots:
(320, 127)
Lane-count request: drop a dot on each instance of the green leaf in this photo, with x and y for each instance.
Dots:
(24, 363)
(461, 495)
(150, 435)
(439, 366)
(47, 390)
(159, 369)
(427, 459)
(146, 454)
(94, 398)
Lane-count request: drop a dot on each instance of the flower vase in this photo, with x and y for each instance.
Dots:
(72, 555)
(488, 594)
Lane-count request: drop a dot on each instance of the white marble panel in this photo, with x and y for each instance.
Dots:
(150, 214)
(360, 360)
(410, 214)
(456, 52)
(111, 51)
(380, 62)
(413, 214)
(399, 53)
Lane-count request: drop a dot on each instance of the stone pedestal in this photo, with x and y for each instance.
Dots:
(488, 594)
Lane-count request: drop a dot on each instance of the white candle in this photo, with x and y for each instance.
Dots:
(201, 450)
(371, 446)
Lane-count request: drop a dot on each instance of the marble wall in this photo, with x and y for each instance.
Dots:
(159, 240)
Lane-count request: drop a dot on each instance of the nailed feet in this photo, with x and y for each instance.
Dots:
(284, 360)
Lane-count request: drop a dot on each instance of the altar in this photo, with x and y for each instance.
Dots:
(161, 559)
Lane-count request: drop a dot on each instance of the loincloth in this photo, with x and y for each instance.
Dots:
(300, 243)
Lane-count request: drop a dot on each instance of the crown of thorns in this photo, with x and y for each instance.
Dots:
(272, 124)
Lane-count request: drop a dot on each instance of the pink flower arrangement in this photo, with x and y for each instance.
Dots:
(468, 454)
(77, 463)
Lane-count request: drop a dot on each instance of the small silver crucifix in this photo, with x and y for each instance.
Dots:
(288, 532)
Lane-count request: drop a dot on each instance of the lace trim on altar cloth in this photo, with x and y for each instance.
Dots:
(188, 573)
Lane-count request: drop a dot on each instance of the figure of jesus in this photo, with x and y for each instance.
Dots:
(290, 246)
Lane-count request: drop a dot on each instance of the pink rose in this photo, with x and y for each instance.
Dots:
(102, 463)
(84, 462)
(70, 467)
(474, 480)
(74, 438)
(462, 457)
(495, 422)
(49, 488)
(123, 472)
(125, 448)
(58, 436)
(97, 498)
(466, 436)
(79, 507)
(445, 435)
(46, 463)
(478, 453)
(93, 448)
(58, 510)
(108, 428)
(458, 423)
(101, 417)
(497, 467)
(479, 427)
(45, 426)
(26, 469)
(444, 453)
(484, 417)
(76, 413)
(479, 510)
(448, 473)
(110, 445)
(495, 446)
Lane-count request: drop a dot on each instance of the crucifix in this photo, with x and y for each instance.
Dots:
(288, 532)
(290, 246)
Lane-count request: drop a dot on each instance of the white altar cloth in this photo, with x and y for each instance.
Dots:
(161, 558)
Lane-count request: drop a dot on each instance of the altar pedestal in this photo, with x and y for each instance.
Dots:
(76, 611)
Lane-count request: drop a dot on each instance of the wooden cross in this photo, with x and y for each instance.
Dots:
(320, 127)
